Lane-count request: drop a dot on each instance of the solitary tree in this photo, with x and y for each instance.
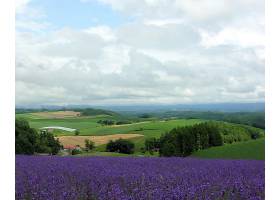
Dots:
(77, 132)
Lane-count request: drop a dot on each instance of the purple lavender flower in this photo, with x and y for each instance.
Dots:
(40, 177)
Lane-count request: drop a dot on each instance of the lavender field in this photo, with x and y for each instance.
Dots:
(40, 177)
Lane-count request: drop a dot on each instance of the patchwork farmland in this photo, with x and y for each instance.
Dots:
(236, 167)
(89, 126)
(137, 130)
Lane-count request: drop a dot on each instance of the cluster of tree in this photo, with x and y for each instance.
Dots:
(28, 141)
(120, 146)
(76, 151)
(106, 122)
(93, 112)
(89, 145)
(77, 132)
(182, 141)
(152, 145)
(145, 115)
(112, 122)
(123, 122)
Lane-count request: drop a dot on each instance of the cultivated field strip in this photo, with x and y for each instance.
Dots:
(98, 140)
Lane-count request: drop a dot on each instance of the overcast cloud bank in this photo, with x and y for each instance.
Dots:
(183, 51)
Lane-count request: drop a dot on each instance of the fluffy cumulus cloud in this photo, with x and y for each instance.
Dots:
(183, 51)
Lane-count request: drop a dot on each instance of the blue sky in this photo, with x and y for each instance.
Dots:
(76, 14)
(115, 52)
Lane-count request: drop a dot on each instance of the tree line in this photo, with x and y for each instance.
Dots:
(255, 119)
(108, 122)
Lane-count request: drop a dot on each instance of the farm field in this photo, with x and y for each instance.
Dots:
(231, 171)
(139, 130)
(57, 114)
(88, 125)
(98, 140)
(53, 177)
(81, 123)
(253, 149)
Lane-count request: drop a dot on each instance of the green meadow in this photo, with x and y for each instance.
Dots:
(149, 127)
(89, 125)
(252, 149)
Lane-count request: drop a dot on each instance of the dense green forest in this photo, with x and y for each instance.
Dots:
(183, 141)
(28, 141)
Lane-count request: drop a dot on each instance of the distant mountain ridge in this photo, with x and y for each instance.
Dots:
(219, 107)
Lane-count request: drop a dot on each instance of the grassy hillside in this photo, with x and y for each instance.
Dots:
(155, 127)
(237, 132)
(256, 119)
(90, 125)
(148, 128)
(253, 149)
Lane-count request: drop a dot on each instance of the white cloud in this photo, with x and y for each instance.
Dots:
(204, 9)
(105, 32)
(172, 52)
(21, 5)
(163, 22)
(242, 37)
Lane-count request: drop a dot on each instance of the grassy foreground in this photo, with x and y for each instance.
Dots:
(253, 149)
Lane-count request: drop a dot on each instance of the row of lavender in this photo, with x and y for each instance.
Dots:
(137, 178)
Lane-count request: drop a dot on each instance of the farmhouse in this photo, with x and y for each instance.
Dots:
(71, 147)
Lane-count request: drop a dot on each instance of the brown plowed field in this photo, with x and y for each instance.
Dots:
(98, 140)
(57, 114)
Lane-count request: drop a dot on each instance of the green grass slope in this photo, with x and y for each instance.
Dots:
(237, 132)
(253, 149)
(148, 128)
(89, 125)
